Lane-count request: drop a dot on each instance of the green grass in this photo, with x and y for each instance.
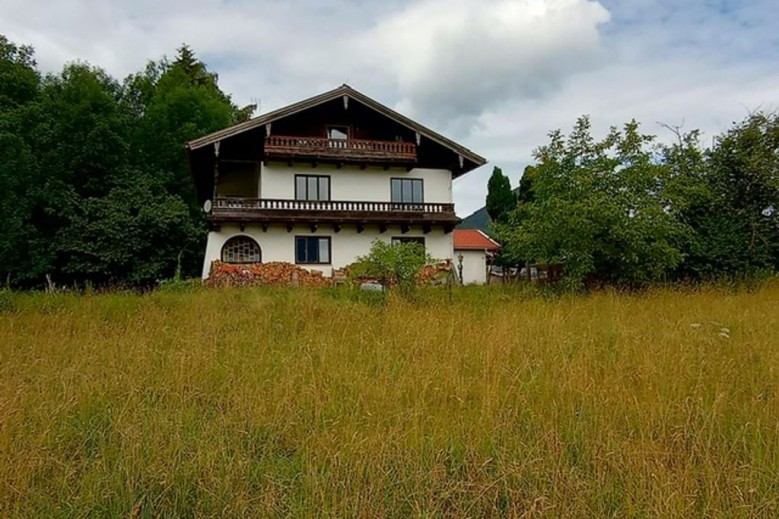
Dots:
(297, 403)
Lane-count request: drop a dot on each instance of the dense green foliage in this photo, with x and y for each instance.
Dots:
(624, 210)
(500, 198)
(94, 185)
(393, 264)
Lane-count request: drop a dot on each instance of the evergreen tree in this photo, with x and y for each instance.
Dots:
(500, 198)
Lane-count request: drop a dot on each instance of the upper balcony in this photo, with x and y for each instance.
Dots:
(262, 210)
(351, 151)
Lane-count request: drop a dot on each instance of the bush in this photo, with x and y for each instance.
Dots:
(396, 264)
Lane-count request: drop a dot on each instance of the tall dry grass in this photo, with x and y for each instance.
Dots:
(243, 403)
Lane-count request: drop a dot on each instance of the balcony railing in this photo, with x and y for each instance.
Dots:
(353, 150)
(235, 204)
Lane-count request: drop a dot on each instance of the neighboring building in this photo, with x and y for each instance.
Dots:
(316, 182)
(477, 250)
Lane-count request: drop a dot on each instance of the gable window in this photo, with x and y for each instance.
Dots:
(340, 133)
(241, 249)
(312, 250)
(406, 190)
(312, 187)
(337, 136)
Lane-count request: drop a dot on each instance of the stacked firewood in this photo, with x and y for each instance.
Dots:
(278, 273)
(275, 273)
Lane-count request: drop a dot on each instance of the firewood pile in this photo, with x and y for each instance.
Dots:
(278, 273)
(275, 273)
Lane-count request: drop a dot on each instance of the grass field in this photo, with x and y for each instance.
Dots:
(281, 403)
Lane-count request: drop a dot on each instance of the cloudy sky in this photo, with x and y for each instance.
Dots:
(495, 75)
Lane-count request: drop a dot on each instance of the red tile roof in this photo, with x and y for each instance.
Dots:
(473, 239)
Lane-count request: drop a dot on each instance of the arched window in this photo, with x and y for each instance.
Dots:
(241, 249)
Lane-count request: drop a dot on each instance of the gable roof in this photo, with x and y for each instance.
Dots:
(343, 90)
(473, 239)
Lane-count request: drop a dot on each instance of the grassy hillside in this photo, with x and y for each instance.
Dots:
(302, 404)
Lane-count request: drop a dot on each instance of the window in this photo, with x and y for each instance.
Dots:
(312, 187)
(407, 190)
(337, 136)
(312, 249)
(340, 133)
(241, 249)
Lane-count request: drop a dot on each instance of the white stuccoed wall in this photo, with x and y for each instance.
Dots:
(279, 245)
(350, 183)
(474, 266)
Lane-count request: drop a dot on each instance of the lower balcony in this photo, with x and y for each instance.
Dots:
(263, 210)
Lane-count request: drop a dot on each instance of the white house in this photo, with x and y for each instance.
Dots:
(474, 250)
(314, 183)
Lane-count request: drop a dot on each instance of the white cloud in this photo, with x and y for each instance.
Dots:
(453, 59)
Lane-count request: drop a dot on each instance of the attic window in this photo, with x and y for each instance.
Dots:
(340, 133)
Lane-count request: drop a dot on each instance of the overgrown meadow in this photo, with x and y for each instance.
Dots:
(302, 403)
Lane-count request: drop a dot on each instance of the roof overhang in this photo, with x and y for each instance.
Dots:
(468, 159)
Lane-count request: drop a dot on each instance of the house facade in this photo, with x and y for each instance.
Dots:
(316, 182)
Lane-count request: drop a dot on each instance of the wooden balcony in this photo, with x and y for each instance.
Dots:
(263, 210)
(354, 151)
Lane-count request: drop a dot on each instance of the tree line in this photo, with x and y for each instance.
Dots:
(95, 188)
(94, 183)
(629, 211)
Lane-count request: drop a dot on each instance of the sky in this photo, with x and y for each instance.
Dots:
(495, 75)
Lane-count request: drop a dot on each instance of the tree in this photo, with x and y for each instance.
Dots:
(133, 235)
(500, 198)
(19, 88)
(597, 209)
(736, 223)
(18, 77)
(525, 192)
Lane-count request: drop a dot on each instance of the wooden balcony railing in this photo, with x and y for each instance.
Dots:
(234, 204)
(358, 150)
